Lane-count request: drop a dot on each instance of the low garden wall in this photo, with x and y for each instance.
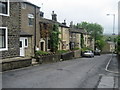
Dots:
(48, 58)
(58, 57)
(118, 56)
(77, 54)
(67, 56)
(15, 63)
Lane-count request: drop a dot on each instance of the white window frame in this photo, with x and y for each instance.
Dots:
(8, 10)
(24, 42)
(23, 5)
(5, 49)
(30, 16)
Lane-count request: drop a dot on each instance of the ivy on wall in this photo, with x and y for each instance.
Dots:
(54, 38)
(82, 41)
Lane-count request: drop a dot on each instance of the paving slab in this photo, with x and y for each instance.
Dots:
(106, 82)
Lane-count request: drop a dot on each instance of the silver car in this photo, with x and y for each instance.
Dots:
(88, 53)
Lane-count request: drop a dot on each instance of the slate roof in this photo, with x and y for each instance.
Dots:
(25, 1)
(75, 30)
(44, 20)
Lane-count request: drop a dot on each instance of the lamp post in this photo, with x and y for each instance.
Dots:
(113, 23)
(113, 27)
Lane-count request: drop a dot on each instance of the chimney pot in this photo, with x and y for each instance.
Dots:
(41, 14)
(52, 12)
(71, 24)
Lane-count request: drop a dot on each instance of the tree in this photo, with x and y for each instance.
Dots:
(54, 38)
(100, 43)
(95, 30)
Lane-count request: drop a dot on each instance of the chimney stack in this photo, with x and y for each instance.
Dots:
(71, 24)
(42, 14)
(64, 22)
(54, 16)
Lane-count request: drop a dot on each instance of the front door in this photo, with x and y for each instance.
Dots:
(22, 51)
(42, 46)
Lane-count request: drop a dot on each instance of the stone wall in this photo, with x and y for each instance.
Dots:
(77, 54)
(67, 56)
(30, 29)
(78, 40)
(49, 58)
(65, 38)
(106, 49)
(15, 63)
(28, 50)
(12, 23)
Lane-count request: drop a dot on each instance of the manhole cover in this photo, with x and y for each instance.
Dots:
(60, 69)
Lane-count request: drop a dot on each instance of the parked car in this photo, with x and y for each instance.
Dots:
(97, 52)
(115, 52)
(88, 53)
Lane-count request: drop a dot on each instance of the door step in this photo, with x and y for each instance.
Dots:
(34, 62)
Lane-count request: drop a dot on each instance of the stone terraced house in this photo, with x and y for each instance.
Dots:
(64, 35)
(75, 37)
(29, 28)
(9, 29)
(18, 28)
(23, 29)
(46, 28)
(89, 41)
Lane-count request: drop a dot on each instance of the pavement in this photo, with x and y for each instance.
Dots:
(112, 78)
(106, 82)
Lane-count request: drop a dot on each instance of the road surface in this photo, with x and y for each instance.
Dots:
(76, 73)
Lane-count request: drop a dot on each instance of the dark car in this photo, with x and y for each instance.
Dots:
(97, 52)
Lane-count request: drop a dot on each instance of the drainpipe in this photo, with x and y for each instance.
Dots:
(35, 33)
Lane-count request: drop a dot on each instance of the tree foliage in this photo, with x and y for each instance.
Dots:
(100, 43)
(96, 32)
(118, 43)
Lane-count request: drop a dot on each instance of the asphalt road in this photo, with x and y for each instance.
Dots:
(76, 73)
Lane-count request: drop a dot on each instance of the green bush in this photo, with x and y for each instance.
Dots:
(86, 48)
(62, 51)
(41, 53)
(76, 48)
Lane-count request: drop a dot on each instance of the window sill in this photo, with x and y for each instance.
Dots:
(4, 15)
(4, 49)
(30, 25)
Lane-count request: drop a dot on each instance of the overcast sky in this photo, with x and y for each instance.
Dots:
(82, 10)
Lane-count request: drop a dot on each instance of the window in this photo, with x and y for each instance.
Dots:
(4, 7)
(45, 26)
(23, 5)
(30, 19)
(26, 42)
(3, 38)
(20, 44)
(49, 42)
